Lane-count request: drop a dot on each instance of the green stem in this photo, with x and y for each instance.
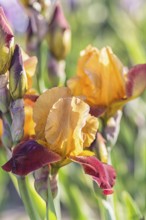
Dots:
(110, 200)
(50, 208)
(40, 81)
(39, 68)
(26, 199)
(57, 206)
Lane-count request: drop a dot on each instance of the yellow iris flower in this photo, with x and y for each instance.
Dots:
(64, 132)
(104, 82)
(64, 122)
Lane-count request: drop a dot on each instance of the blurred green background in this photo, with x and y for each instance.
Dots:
(120, 24)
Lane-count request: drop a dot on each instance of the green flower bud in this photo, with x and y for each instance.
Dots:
(6, 43)
(17, 76)
(59, 35)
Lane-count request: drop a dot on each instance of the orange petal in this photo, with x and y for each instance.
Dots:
(99, 78)
(64, 129)
(30, 65)
(90, 130)
(43, 105)
(28, 122)
(105, 73)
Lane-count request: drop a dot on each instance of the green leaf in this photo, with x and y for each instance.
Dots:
(133, 212)
(108, 204)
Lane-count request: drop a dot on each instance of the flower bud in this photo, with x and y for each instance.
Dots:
(6, 43)
(6, 131)
(102, 150)
(59, 35)
(111, 131)
(42, 176)
(25, 2)
(36, 31)
(4, 93)
(17, 76)
(17, 113)
(56, 70)
(38, 5)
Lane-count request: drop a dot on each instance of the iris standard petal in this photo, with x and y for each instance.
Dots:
(42, 108)
(69, 127)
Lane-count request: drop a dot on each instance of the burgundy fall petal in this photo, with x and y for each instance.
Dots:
(136, 81)
(101, 173)
(97, 110)
(29, 156)
(31, 97)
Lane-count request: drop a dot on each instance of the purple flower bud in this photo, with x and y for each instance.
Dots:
(56, 70)
(17, 76)
(17, 113)
(36, 31)
(59, 35)
(6, 43)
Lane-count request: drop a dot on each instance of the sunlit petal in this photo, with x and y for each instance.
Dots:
(66, 128)
(43, 105)
(89, 130)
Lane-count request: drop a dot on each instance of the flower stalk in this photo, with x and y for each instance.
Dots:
(50, 208)
(30, 209)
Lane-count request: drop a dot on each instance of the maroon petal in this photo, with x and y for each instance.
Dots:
(31, 97)
(29, 156)
(58, 18)
(136, 81)
(97, 110)
(101, 173)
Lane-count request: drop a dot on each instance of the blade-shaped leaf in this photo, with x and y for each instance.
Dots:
(132, 210)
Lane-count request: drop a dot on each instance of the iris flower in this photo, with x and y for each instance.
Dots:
(64, 132)
(104, 82)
